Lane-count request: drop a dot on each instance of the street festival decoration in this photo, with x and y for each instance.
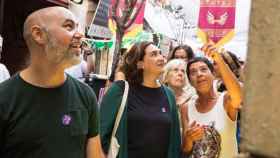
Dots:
(182, 21)
(99, 25)
(99, 44)
(133, 27)
(79, 9)
(103, 48)
(125, 20)
(174, 19)
(216, 21)
(103, 56)
(128, 41)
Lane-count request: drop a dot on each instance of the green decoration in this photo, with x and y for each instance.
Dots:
(99, 44)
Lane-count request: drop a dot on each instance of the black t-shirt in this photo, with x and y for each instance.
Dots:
(40, 122)
(149, 122)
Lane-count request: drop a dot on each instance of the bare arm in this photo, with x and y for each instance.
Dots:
(233, 98)
(191, 132)
(94, 149)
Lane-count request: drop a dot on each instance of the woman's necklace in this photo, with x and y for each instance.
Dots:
(206, 104)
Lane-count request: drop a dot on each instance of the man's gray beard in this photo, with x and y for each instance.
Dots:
(65, 56)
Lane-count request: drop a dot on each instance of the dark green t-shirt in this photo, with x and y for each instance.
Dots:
(40, 122)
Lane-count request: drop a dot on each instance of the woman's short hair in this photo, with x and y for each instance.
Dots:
(170, 66)
(199, 59)
(186, 48)
(129, 67)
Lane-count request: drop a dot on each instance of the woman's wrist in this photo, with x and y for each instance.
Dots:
(188, 143)
(187, 147)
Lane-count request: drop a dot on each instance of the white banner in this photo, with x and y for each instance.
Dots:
(178, 19)
(79, 8)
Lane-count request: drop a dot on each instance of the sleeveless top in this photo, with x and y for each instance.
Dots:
(218, 118)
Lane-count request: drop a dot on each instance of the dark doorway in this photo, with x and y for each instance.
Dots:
(14, 12)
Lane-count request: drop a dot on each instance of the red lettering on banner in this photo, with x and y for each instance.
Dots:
(221, 3)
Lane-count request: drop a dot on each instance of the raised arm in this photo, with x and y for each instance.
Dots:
(233, 98)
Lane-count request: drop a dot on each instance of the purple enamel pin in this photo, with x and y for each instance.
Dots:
(66, 119)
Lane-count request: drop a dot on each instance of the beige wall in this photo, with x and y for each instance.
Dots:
(261, 112)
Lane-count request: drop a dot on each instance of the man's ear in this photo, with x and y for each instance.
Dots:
(140, 65)
(38, 34)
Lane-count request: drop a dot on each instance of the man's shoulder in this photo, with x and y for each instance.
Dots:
(78, 84)
(80, 88)
(8, 89)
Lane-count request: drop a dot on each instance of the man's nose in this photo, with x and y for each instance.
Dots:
(78, 34)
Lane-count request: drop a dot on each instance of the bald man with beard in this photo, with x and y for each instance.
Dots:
(45, 113)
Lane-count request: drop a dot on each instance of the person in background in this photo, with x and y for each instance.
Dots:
(235, 66)
(78, 71)
(175, 77)
(90, 59)
(116, 74)
(4, 73)
(149, 127)
(242, 69)
(45, 113)
(183, 52)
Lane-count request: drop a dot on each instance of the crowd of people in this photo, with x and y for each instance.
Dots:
(183, 106)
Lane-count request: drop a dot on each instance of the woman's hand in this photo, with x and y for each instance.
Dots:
(193, 133)
(210, 50)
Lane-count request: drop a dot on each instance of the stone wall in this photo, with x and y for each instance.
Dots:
(261, 112)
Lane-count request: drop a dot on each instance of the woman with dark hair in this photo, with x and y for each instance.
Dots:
(184, 52)
(149, 126)
(235, 66)
(217, 112)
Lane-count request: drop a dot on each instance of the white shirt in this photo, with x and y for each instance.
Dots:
(78, 70)
(4, 73)
(223, 124)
